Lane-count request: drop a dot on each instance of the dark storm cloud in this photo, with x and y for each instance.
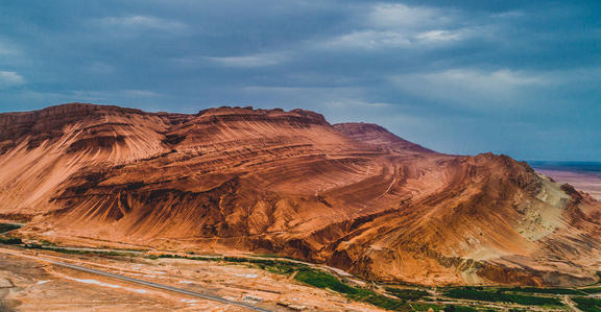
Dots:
(514, 77)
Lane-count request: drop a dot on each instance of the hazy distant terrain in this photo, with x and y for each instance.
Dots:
(584, 176)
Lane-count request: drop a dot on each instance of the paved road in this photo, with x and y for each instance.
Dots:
(142, 282)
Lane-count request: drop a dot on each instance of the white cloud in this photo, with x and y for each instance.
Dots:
(139, 22)
(473, 88)
(370, 39)
(515, 14)
(10, 79)
(140, 93)
(355, 104)
(439, 36)
(491, 79)
(397, 16)
(249, 61)
(401, 26)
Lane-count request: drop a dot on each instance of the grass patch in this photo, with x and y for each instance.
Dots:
(276, 266)
(407, 294)
(75, 251)
(591, 290)
(323, 280)
(5, 227)
(10, 241)
(588, 304)
(373, 298)
(424, 307)
(175, 256)
(263, 262)
(460, 308)
(280, 269)
(47, 243)
(320, 279)
(499, 296)
(560, 291)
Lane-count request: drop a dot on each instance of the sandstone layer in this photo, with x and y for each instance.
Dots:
(350, 195)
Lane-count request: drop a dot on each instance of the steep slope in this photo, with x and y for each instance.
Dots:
(377, 135)
(350, 195)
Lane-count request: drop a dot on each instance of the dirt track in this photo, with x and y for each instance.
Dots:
(135, 281)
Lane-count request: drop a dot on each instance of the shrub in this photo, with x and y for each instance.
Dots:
(591, 290)
(499, 296)
(320, 279)
(407, 294)
(588, 304)
(10, 241)
(457, 308)
(4, 228)
(562, 291)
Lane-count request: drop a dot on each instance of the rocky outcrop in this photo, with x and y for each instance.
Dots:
(350, 195)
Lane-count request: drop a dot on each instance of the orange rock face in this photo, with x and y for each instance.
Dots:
(350, 195)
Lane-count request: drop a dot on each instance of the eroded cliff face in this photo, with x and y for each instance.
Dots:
(351, 195)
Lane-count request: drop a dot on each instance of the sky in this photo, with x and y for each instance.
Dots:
(522, 78)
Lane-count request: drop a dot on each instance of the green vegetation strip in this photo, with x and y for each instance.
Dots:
(323, 280)
(316, 278)
(407, 294)
(75, 251)
(588, 304)
(7, 239)
(591, 290)
(273, 265)
(499, 296)
(557, 291)
(404, 299)
(10, 241)
(8, 227)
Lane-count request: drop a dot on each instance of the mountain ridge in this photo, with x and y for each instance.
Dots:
(350, 195)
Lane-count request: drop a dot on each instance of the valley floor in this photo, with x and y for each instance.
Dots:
(51, 278)
(33, 281)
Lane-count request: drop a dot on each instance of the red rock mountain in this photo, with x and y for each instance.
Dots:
(350, 195)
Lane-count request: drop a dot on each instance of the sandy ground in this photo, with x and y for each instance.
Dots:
(28, 285)
(39, 287)
(589, 183)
